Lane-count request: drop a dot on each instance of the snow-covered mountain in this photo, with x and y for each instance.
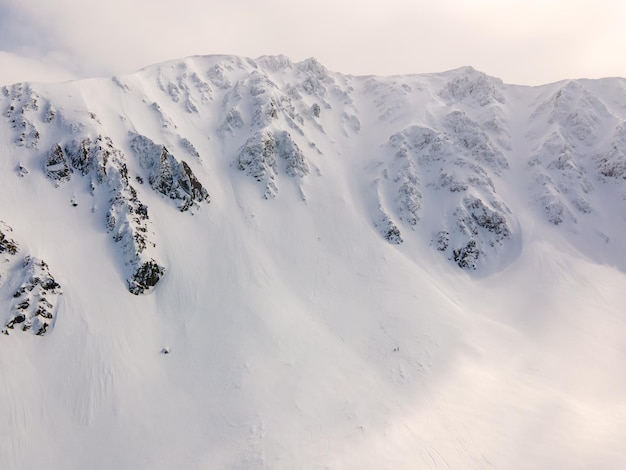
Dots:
(220, 262)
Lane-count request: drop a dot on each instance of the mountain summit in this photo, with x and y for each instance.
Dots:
(345, 272)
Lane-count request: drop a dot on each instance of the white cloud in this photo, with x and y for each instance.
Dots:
(527, 42)
(15, 68)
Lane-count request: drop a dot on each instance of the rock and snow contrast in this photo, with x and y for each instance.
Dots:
(264, 264)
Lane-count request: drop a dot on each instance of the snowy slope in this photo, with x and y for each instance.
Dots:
(264, 264)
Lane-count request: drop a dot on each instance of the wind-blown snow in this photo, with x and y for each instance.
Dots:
(420, 271)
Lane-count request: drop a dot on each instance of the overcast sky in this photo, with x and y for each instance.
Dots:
(525, 42)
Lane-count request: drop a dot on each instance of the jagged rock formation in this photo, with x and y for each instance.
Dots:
(454, 160)
(167, 175)
(388, 229)
(473, 229)
(35, 292)
(7, 246)
(126, 217)
(127, 220)
(34, 307)
(56, 166)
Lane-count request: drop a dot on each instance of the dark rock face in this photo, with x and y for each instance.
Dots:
(442, 240)
(478, 216)
(258, 159)
(127, 220)
(392, 235)
(7, 245)
(466, 257)
(146, 276)
(56, 166)
(91, 157)
(191, 186)
(35, 300)
(88, 157)
(387, 228)
(167, 175)
(478, 228)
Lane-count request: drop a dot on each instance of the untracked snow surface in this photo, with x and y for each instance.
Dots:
(220, 262)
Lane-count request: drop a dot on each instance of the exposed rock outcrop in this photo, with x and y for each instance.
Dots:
(33, 289)
(7, 246)
(167, 175)
(126, 216)
(259, 157)
(35, 300)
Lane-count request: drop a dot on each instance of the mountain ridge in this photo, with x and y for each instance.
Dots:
(457, 149)
(344, 270)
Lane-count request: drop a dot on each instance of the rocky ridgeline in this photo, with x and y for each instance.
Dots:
(128, 222)
(78, 153)
(34, 291)
(445, 141)
(478, 224)
(448, 163)
(268, 108)
(270, 118)
(126, 217)
(573, 156)
(258, 109)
